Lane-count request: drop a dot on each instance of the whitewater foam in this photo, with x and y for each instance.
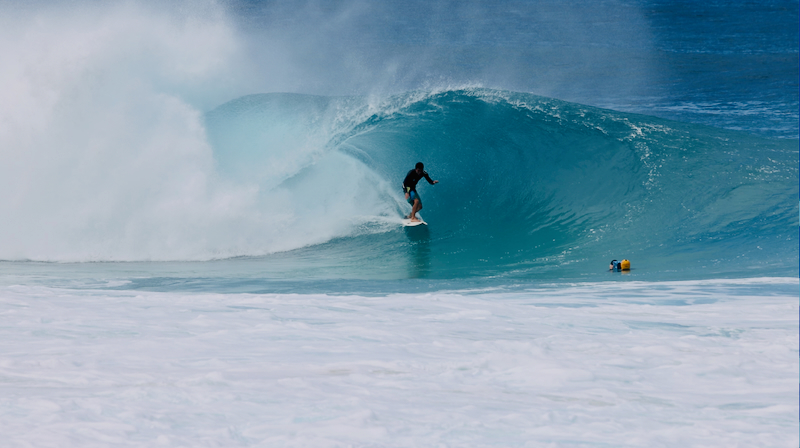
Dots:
(639, 364)
(104, 143)
(107, 155)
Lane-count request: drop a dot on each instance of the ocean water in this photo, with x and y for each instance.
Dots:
(201, 236)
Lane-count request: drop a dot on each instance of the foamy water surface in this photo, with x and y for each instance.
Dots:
(705, 363)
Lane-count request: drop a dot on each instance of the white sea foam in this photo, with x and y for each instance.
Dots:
(707, 363)
(105, 154)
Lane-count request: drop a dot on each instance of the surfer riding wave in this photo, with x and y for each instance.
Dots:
(410, 189)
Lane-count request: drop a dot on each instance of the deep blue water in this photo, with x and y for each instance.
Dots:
(731, 64)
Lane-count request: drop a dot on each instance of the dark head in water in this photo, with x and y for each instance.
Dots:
(623, 265)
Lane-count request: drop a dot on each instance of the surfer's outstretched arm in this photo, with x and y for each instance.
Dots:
(428, 178)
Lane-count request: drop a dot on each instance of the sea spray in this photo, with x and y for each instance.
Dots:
(104, 151)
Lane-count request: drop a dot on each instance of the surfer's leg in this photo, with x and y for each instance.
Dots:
(417, 207)
(411, 199)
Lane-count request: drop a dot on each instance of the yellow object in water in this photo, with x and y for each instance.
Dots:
(625, 265)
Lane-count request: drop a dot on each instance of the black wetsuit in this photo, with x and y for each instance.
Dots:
(410, 182)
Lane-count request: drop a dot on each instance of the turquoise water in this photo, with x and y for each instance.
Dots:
(531, 189)
(537, 187)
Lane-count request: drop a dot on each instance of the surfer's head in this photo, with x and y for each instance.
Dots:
(419, 166)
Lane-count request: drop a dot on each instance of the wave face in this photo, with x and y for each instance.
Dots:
(529, 186)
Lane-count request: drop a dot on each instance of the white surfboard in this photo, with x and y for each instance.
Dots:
(410, 223)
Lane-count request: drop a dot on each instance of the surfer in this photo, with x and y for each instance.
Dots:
(410, 189)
